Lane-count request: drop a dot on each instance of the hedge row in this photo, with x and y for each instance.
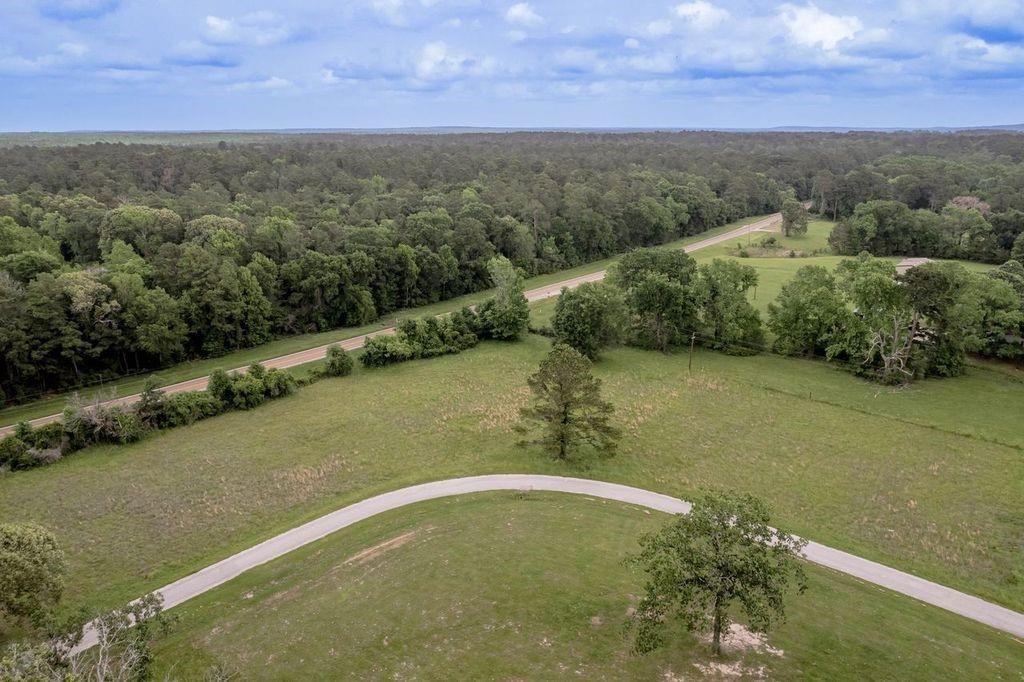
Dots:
(428, 337)
(82, 425)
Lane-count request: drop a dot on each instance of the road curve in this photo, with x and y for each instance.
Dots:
(320, 352)
(216, 574)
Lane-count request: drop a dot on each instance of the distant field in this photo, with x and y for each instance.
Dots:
(504, 586)
(927, 479)
(52, 404)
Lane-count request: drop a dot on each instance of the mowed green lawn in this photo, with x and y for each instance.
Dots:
(929, 479)
(52, 404)
(508, 586)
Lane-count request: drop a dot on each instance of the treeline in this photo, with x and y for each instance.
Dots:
(865, 317)
(123, 258)
(969, 206)
(966, 228)
(89, 291)
(142, 288)
(82, 425)
(504, 317)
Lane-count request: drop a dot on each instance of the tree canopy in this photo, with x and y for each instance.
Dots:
(702, 565)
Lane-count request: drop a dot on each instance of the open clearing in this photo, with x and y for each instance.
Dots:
(528, 586)
(927, 480)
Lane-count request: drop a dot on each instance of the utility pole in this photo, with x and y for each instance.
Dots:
(693, 339)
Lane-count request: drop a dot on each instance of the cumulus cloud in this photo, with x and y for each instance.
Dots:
(257, 29)
(701, 14)
(514, 48)
(968, 54)
(521, 13)
(813, 27)
(439, 62)
(66, 55)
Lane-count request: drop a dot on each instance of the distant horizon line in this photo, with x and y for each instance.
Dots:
(1011, 127)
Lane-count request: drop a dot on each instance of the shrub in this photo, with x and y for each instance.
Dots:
(43, 456)
(47, 436)
(279, 383)
(385, 350)
(186, 408)
(247, 391)
(85, 424)
(467, 321)
(257, 371)
(220, 386)
(128, 426)
(151, 405)
(339, 363)
(14, 452)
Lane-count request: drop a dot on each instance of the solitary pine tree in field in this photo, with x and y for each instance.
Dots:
(567, 408)
(724, 552)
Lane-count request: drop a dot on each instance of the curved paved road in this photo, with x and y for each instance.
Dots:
(216, 574)
(320, 352)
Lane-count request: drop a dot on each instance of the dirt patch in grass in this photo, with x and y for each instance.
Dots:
(371, 553)
(740, 639)
(728, 670)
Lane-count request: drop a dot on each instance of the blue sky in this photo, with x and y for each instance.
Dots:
(175, 64)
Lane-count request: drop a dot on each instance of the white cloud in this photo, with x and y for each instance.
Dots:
(522, 13)
(272, 83)
(198, 53)
(966, 52)
(438, 62)
(701, 14)
(578, 59)
(631, 44)
(258, 29)
(389, 10)
(813, 27)
(328, 77)
(661, 27)
(73, 49)
(516, 36)
(660, 63)
(67, 54)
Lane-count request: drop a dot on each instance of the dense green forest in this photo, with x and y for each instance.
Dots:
(122, 257)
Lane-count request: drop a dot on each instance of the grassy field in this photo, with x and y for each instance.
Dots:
(502, 586)
(52, 404)
(928, 479)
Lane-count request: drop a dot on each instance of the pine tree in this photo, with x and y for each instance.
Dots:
(568, 408)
